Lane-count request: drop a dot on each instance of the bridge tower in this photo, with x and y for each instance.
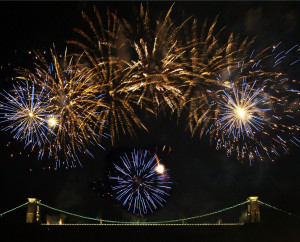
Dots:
(33, 211)
(253, 213)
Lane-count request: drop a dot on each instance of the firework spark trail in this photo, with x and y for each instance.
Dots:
(75, 103)
(138, 185)
(254, 117)
(26, 114)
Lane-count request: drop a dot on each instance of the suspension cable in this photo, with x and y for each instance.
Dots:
(278, 209)
(13, 209)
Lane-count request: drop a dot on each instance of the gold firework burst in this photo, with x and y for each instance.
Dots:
(109, 74)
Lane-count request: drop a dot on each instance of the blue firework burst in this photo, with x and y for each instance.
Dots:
(255, 112)
(26, 113)
(141, 184)
(242, 112)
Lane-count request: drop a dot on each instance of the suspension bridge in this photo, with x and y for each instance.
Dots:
(252, 216)
(189, 229)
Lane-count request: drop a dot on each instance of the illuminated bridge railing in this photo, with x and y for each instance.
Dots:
(144, 224)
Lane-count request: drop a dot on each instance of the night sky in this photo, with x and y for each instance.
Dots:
(204, 179)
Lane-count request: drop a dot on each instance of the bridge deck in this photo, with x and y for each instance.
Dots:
(151, 225)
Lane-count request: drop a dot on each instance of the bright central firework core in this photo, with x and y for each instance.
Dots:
(241, 112)
(30, 114)
(52, 122)
(160, 169)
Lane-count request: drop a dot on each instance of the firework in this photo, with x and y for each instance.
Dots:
(141, 184)
(103, 41)
(26, 113)
(256, 115)
(74, 102)
(110, 75)
(205, 59)
(240, 114)
(246, 104)
(155, 59)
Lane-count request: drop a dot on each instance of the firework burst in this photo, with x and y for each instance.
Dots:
(110, 75)
(26, 114)
(155, 59)
(206, 58)
(246, 104)
(240, 113)
(74, 102)
(141, 184)
(255, 116)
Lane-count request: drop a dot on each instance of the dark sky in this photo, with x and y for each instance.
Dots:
(204, 179)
